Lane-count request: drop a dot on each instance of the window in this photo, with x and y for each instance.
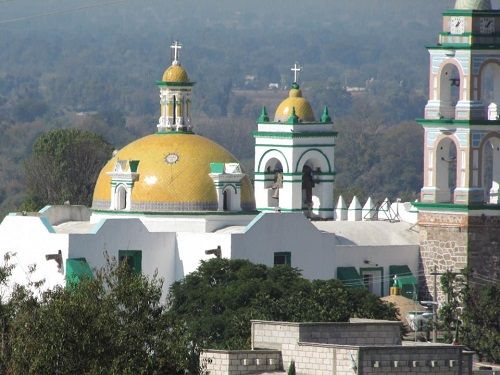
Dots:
(133, 259)
(283, 258)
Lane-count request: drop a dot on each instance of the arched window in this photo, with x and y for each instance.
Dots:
(120, 198)
(491, 170)
(446, 170)
(226, 200)
(449, 90)
(274, 181)
(490, 88)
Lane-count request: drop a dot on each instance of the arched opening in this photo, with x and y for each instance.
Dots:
(446, 170)
(273, 181)
(449, 90)
(491, 170)
(226, 200)
(311, 187)
(490, 89)
(120, 197)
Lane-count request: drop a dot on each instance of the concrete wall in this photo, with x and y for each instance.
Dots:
(429, 359)
(239, 362)
(58, 214)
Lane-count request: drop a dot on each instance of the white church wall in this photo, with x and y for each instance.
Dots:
(29, 239)
(191, 249)
(57, 214)
(311, 250)
(112, 235)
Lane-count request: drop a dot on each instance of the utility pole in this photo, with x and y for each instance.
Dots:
(434, 308)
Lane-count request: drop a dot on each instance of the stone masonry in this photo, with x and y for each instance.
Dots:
(452, 241)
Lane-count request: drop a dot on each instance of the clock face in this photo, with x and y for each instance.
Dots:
(457, 25)
(171, 158)
(487, 25)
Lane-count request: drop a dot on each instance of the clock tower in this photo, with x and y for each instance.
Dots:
(459, 212)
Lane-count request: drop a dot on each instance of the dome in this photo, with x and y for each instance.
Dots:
(173, 175)
(473, 4)
(175, 74)
(295, 100)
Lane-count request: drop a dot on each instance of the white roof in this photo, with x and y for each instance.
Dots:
(370, 233)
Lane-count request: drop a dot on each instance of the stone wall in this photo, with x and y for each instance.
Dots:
(239, 362)
(452, 241)
(442, 360)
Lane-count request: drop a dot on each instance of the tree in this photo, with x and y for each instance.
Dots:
(216, 302)
(111, 324)
(64, 166)
(471, 313)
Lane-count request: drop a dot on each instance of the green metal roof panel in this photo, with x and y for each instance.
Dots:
(405, 276)
(350, 277)
(77, 269)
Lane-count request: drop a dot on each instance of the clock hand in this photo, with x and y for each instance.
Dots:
(488, 24)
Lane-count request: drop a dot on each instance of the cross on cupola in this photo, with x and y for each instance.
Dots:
(296, 69)
(176, 46)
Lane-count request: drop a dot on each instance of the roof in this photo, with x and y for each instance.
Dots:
(173, 174)
(370, 233)
(295, 101)
(175, 74)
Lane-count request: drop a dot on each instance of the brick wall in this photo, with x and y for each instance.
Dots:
(239, 362)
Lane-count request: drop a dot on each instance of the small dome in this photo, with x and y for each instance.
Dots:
(473, 4)
(295, 100)
(173, 175)
(175, 74)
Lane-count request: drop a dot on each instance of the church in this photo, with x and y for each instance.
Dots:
(171, 199)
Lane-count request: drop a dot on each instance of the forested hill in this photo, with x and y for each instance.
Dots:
(94, 64)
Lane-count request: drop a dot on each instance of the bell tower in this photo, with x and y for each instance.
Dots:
(459, 213)
(294, 158)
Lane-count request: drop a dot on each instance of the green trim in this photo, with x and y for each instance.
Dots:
(293, 119)
(267, 152)
(296, 146)
(325, 117)
(264, 117)
(293, 209)
(297, 174)
(217, 168)
(296, 134)
(174, 84)
(455, 207)
(381, 269)
(173, 132)
(292, 181)
(133, 259)
(350, 277)
(77, 269)
(314, 149)
(471, 12)
(463, 46)
(448, 121)
(177, 213)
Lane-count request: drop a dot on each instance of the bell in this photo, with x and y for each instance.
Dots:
(276, 193)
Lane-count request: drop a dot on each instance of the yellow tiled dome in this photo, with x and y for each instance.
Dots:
(175, 73)
(295, 100)
(181, 184)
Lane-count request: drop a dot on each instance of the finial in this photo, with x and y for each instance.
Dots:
(263, 115)
(293, 119)
(325, 117)
(176, 46)
(296, 69)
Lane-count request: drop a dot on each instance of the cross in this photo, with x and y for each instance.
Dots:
(296, 69)
(176, 46)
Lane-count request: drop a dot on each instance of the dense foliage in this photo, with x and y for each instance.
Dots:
(471, 313)
(216, 303)
(64, 167)
(118, 323)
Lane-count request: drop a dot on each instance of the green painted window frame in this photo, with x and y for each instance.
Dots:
(134, 259)
(368, 269)
(286, 255)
